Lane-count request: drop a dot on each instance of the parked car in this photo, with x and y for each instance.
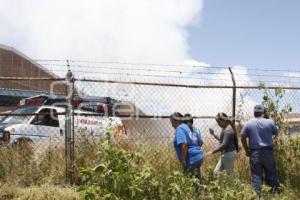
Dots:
(34, 121)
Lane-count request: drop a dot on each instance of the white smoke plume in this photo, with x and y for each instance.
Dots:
(129, 30)
(147, 31)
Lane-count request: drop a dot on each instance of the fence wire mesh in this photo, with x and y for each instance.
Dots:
(131, 108)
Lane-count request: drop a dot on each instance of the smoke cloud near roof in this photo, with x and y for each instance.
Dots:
(131, 30)
(145, 31)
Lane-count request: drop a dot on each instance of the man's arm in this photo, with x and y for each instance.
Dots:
(245, 144)
(184, 154)
(244, 135)
(181, 140)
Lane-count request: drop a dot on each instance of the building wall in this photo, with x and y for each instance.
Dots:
(15, 64)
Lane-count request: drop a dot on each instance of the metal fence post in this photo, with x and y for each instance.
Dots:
(69, 118)
(233, 95)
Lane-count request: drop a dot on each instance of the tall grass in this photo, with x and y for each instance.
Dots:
(128, 175)
(18, 170)
(21, 167)
(42, 192)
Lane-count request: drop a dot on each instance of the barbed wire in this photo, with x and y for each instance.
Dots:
(180, 71)
(275, 68)
(272, 76)
(180, 77)
(183, 72)
(261, 69)
(267, 75)
(151, 76)
(140, 69)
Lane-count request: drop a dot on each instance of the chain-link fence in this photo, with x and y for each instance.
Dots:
(58, 129)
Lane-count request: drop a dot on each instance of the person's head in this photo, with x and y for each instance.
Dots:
(176, 119)
(188, 119)
(223, 120)
(259, 110)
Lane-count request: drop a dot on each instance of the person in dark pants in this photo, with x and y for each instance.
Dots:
(195, 135)
(260, 131)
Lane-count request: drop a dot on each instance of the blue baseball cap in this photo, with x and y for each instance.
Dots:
(259, 108)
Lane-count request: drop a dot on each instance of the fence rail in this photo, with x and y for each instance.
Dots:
(144, 109)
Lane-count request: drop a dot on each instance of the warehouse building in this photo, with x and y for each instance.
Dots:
(15, 64)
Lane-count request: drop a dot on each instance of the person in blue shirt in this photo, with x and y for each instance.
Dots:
(187, 143)
(259, 132)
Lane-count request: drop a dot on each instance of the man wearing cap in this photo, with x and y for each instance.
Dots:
(260, 131)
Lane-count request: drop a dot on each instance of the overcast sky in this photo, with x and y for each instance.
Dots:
(248, 34)
(131, 30)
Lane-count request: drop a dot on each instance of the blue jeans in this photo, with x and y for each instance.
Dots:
(263, 161)
(194, 170)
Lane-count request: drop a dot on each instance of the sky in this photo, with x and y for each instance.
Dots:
(252, 33)
(243, 34)
(110, 30)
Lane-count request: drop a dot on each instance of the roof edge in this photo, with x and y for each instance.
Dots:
(14, 50)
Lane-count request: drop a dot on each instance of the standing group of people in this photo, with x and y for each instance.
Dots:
(256, 137)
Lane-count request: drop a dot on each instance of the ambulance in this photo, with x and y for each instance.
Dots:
(42, 118)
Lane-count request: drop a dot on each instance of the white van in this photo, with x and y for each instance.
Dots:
(35, 123)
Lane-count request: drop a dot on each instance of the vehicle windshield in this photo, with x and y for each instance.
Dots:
(21, 119)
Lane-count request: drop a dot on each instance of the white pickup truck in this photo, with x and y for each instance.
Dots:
(45, 122)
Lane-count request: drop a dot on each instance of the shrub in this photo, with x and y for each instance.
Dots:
(288, 162)
(125, 175)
